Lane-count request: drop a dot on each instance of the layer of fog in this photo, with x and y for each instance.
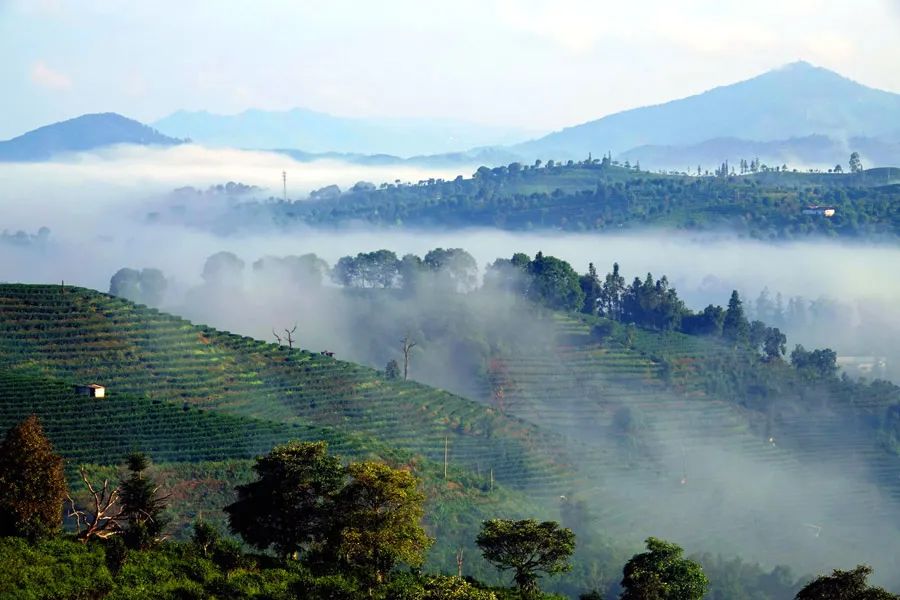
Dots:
(740, 497)
(95, 190)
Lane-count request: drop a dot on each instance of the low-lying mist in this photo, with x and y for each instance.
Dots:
(743, 496)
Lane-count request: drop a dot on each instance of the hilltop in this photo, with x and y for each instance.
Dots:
(595, 195)
(794, 101)
(86, 132)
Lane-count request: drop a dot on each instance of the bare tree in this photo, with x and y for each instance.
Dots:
(102, 519)
(408, 345)
(288, 336)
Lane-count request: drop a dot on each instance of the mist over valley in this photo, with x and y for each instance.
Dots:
(528, 313)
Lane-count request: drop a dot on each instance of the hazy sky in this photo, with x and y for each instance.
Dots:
(532, 64)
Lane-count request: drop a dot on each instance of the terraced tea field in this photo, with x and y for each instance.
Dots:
(266, 392)
(656, 452)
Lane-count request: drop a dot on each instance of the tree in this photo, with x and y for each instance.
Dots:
(593, 290)
(126, 283)
(855, 163)
(662, 573)
(735, 326)
(554, 283)
(392, 370)
(527, 548)
(379, 516)
(223, 269)
(611, 296)
(146, 286)
(301, 272)
(838, 168)
(708, 322)
(142, 505)
(153, 286)
(774, 345)
(455, 266)
(290, 506)
(32, 482)
(407, 346)
(102, 519)
(844, 585)
(816, 363)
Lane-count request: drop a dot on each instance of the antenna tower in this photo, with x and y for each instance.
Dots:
(284, 182)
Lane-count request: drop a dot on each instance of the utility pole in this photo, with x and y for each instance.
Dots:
(446, 454)
(284, 181)
(492, 479)
(459, 562)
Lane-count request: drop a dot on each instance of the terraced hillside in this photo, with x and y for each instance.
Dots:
(76, 335)
(664, 452)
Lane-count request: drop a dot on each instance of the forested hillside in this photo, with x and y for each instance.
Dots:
(597, 195)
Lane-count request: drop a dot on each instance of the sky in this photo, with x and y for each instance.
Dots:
(528, 64)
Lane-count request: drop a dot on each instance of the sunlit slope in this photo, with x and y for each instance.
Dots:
(81, 336)
(665, 452)
(105, 430)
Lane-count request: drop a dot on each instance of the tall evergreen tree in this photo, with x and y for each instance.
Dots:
(593, 290)
(32, 482)
(142, 505)
(735, 327)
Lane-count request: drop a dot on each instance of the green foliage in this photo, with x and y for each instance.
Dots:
(378, 515)
(142, 505)
(662, 573)
(527, 548)
(590, 196)
(652, 304)
(290, 506)
(845, 585)
(735, 326)
(814, 363)
(52, 569)
(32, 482)
(392, 370)
(554, 283)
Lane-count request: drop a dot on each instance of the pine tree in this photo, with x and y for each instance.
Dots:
(142, 505)
(735, 326)
(32, 482)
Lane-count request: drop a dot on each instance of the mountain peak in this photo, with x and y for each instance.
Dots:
(796, 100)
(81, 133)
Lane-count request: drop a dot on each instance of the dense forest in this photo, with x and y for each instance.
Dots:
(600, 195)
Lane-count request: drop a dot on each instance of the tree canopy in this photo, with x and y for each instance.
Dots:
(662, 573)
(844, 585)
(527, 548)
(290, 505)
(32, 482)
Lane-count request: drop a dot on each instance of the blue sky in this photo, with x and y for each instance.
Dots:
(530, 64)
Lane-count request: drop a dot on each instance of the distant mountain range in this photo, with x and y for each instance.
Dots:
(86, 132)
(317, 132)
(799, 115)
(795, 101)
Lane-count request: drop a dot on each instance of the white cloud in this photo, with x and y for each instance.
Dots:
(49, 78)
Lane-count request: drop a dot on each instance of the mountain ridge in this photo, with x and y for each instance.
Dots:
(796, 100)
(319, 132)
(82, 133)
